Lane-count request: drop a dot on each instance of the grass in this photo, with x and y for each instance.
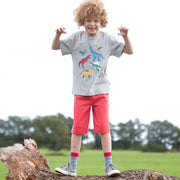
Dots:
(91, 162)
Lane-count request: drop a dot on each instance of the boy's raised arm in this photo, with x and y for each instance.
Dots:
(56, 41)
(124, 33)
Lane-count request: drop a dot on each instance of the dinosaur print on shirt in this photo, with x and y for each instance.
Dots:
(81, 63)
(83, 52)
(89, 63)
(87, 74)
(97, 48)
(95, 66)
(95, 54)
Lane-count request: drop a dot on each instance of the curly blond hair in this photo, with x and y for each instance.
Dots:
(91, 8)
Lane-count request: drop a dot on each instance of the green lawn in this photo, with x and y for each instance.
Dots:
(91, 162)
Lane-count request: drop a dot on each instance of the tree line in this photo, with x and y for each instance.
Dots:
(54, 132)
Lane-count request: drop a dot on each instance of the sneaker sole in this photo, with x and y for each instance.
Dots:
(113, 173)
(59, 170)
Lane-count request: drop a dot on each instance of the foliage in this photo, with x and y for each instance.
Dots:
(51, 132)
(97, 140)
(164, 133)
(54, 132)
(130, 135)
(15, 129)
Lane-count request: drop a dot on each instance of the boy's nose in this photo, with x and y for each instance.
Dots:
(92, 22)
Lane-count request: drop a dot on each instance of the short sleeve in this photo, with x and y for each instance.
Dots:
(116, 46)
(67, 45)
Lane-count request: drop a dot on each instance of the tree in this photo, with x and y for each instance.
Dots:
(97, 140)
(163, 132)
(113, 131)
(175, 139)
(51, 132)
(67, 121)
(15, 129)
(130, 134)
(2, 133)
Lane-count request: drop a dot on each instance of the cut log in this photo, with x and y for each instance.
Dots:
(26, 163)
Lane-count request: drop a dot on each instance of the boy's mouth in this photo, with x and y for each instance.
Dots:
(92, 29)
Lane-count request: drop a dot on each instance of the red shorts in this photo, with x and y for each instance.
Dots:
(100, 107)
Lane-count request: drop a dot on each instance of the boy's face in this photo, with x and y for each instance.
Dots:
(92, 25)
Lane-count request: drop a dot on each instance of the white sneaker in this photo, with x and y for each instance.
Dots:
(111, 170)
(67, 170)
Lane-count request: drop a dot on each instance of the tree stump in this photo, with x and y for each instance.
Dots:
(26, 163)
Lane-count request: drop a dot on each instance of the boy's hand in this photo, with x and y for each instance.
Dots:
(56, 41)
(61, 30)
(123, 31)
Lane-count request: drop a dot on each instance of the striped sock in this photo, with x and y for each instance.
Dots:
(108, 158)
(73, 159)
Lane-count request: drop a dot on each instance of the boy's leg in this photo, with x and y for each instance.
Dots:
(75, 149)
(106, 146)
(76, 143)
(106, 142)
(110, 168)
(80, 126)
(70, 168)
(82, 106)
(100, 110)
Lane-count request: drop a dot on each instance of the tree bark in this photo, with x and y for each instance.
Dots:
(26, 163)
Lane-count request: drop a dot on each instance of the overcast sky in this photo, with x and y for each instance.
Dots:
(35, 80)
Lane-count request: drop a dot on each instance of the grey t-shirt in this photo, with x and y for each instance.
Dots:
(90, 56)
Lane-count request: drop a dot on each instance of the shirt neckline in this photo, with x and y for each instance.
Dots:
(92, 37)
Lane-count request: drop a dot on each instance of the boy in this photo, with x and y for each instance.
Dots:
(90, 50)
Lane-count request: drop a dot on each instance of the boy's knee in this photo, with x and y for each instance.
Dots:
(105, 134)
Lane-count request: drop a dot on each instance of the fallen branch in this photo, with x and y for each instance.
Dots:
(26, 163)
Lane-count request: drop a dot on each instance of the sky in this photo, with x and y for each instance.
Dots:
(36, 80)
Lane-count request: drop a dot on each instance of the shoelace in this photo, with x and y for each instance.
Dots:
(112, 166)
